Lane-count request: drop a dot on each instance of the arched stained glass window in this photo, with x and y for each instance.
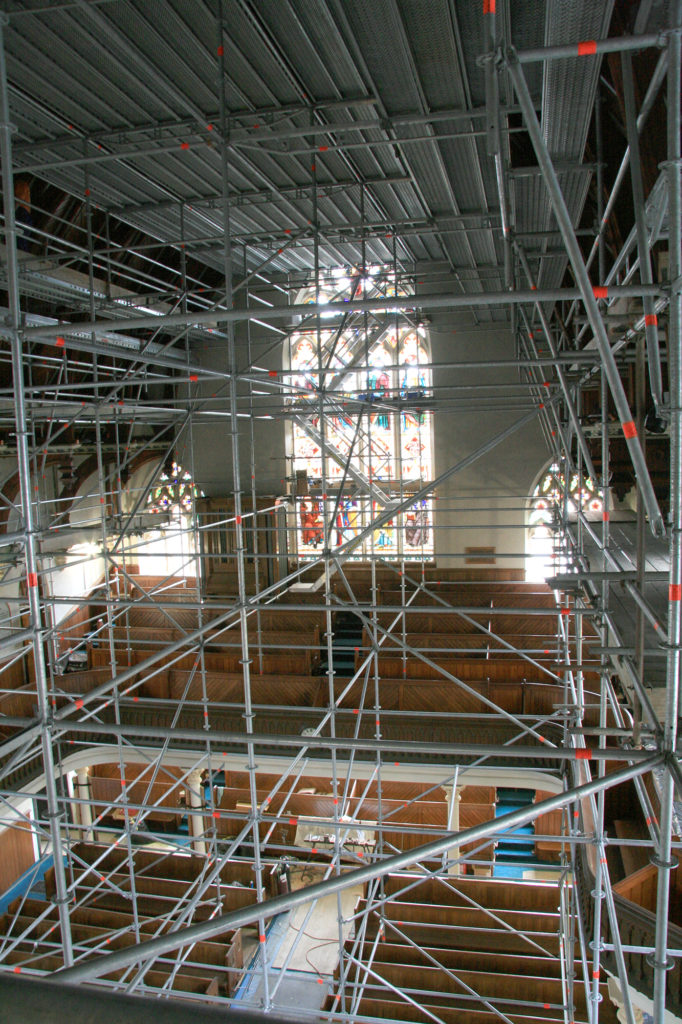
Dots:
(173, 493)
(376, 375)
(546, 509)
(395, 442)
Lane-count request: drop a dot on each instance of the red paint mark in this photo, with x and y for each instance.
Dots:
(629, 429)
(184, 145)
(33, 579)
(488, 6)
(675, 592)
(221, 51)
(583, 754)
(587, 47)
(651, 320)
(60, 342)
(600, 292)
(193, 377)
(323, 149)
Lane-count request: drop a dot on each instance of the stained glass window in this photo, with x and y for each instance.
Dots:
(546, 509)
(394, 439)
(385, 368)
(408, 535)
(376, 374)
(548, 496)
(173, 493)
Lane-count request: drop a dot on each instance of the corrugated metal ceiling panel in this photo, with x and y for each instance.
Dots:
(140, 62)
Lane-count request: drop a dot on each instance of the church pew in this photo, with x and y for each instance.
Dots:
(526, 961)
(390, 1007)
(391, 663)
(289, 662)
(449, 916)
(280, 689)
(498, 987)
(188, 979)
(500, 894)
(224, 950)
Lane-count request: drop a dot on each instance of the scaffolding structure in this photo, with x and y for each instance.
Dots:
(116, 727)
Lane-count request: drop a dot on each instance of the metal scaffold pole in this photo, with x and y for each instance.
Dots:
(242, 599)
(55, 819)
(664, 858)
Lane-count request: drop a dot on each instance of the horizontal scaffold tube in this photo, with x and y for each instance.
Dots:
(501, 298)
(541, 752)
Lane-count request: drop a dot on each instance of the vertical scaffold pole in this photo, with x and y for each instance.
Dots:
(236, 482)
(26, 506)
(675, 573)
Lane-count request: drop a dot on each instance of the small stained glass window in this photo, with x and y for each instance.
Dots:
(173, 493)
(548, 502)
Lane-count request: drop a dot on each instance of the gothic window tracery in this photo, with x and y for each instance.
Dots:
(173, 493)
(549, 501)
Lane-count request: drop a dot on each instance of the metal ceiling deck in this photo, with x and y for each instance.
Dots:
(133, 85)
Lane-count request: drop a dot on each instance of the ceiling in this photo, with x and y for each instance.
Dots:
(348, 124)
